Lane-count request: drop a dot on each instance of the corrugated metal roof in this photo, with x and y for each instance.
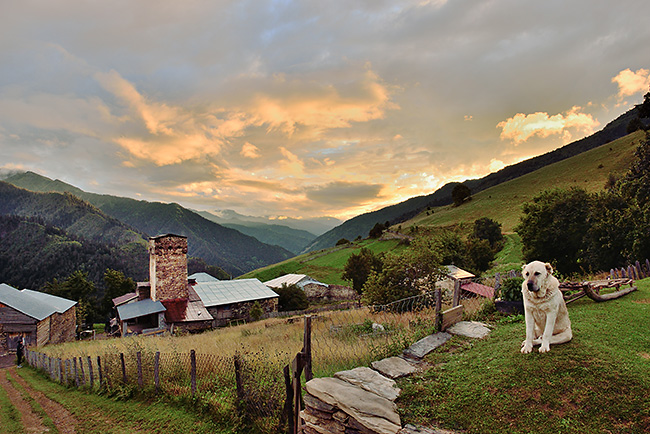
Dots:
(203, 277)
(232, 291)
(24, 303)
(139, 308)
(59, 303)
(477, 288)
(288, 279)
(124, 298)
(458, 273)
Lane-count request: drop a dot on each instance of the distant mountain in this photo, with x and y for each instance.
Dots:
(316, 226)
(217, 245)
(293, 240)
(361, 225)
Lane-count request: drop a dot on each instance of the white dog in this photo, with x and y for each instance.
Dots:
(547, 318)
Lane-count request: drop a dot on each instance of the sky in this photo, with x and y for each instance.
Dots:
(304, 109)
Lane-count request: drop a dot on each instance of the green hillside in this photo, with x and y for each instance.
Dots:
(589, 170)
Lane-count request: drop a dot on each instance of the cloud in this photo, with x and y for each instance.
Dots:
(249, 150)
(522, 127)
(630, 82)
(344, 194)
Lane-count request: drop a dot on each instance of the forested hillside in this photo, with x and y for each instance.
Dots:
(217, 245)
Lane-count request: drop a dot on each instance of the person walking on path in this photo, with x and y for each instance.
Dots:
(19, 352)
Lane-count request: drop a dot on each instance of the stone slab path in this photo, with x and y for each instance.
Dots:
(362, 400)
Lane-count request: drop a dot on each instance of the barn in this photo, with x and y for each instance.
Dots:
(38, 317)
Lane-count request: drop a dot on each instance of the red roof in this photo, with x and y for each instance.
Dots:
(186, 309)
(124, 298)
(477, 288)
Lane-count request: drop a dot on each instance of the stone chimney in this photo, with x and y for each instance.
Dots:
(168, 267)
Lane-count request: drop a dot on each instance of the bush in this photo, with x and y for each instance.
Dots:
(291, 297)
(510, 289)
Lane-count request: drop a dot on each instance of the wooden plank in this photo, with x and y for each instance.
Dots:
(306, 349)
(91, 375)
(193, 371)
(123, 368)
(456, 299)
(451, 317)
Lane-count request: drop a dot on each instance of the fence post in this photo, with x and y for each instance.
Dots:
(76, 373)
(90, 372)
(456, 300)
(239, 383)
(156, 371)
(99, 372)
(193, 371)
(139, 360)
(296, 367)
(438, 297)
(288, 404)
(306, 348)
(123, 368)
(83, 374)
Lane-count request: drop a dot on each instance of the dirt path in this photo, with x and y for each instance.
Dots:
(63, 420)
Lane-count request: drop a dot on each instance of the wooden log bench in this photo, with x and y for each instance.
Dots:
(574, 290)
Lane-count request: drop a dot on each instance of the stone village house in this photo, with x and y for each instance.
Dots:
(173, 301)
(38, 317)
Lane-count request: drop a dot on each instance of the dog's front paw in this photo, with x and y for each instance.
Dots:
(526, 347)
(545, 348)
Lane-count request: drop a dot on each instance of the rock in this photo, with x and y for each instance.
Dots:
(370, 380)
(411, 429)
(393, 367)
(374, 413)
(471, 329)
(320, 425)
(317, 404)
(377, 327)
(424, 346)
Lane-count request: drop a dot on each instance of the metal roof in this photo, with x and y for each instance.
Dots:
(292, 279)
(203, 277)
(477, 288)
(458, 273)
(139, 308)
(60, 304)
(24, 303)
(232, 291)
(125, 298)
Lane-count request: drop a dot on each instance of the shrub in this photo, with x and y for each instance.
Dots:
(510, 290)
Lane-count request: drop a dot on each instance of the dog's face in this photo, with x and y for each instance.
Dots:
(535, 275)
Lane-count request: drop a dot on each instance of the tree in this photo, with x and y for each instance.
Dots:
(644, 108)
(377, 230)
(410, 273)
(359, 266)
(479, 255)
(487, 229)
(256, 311)
(460, 194)
(116, 284)
(342, 241)
(291, 297)
(553, 227)
(79, 288)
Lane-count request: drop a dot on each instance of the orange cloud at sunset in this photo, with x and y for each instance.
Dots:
(522, 127)
(630, 82)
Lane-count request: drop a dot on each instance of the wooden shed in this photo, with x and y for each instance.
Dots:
(38, 317)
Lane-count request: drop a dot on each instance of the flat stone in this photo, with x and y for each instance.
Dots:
(322, 425)
(370, 380)
(425, 345)
(376, 413)
(393, 367)
(315, 403)
(471, 329)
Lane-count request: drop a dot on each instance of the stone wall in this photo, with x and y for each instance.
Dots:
(316, 292)
(168, 267)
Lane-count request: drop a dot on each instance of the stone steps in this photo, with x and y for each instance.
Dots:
(362, 400)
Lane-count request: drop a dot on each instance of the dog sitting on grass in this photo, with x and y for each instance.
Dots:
(547, 318)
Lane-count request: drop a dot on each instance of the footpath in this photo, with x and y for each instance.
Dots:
(362, 400)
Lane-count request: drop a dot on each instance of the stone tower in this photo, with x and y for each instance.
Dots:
(168, 267)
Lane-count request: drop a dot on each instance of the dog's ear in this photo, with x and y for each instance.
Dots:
(523, 267)
(549, 268)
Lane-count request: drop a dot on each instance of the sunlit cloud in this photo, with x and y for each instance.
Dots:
(522, 127)
(630, 83)
(249, 150)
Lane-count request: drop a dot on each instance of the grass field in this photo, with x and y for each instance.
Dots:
(597, 383)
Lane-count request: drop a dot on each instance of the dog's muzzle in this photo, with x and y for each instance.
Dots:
(532, 287)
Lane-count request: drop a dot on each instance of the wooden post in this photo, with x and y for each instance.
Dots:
(156, 371)
(647, 267)
(123, 368)
(65, 371)
(193, 371)
(296, 367)
(456, 300)
(306, 348)
(83, 374)
(438, 296)
(139, 360)
(76, 373)
(90, 372)
(288, 404)
(99, 372)
(239, 383)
